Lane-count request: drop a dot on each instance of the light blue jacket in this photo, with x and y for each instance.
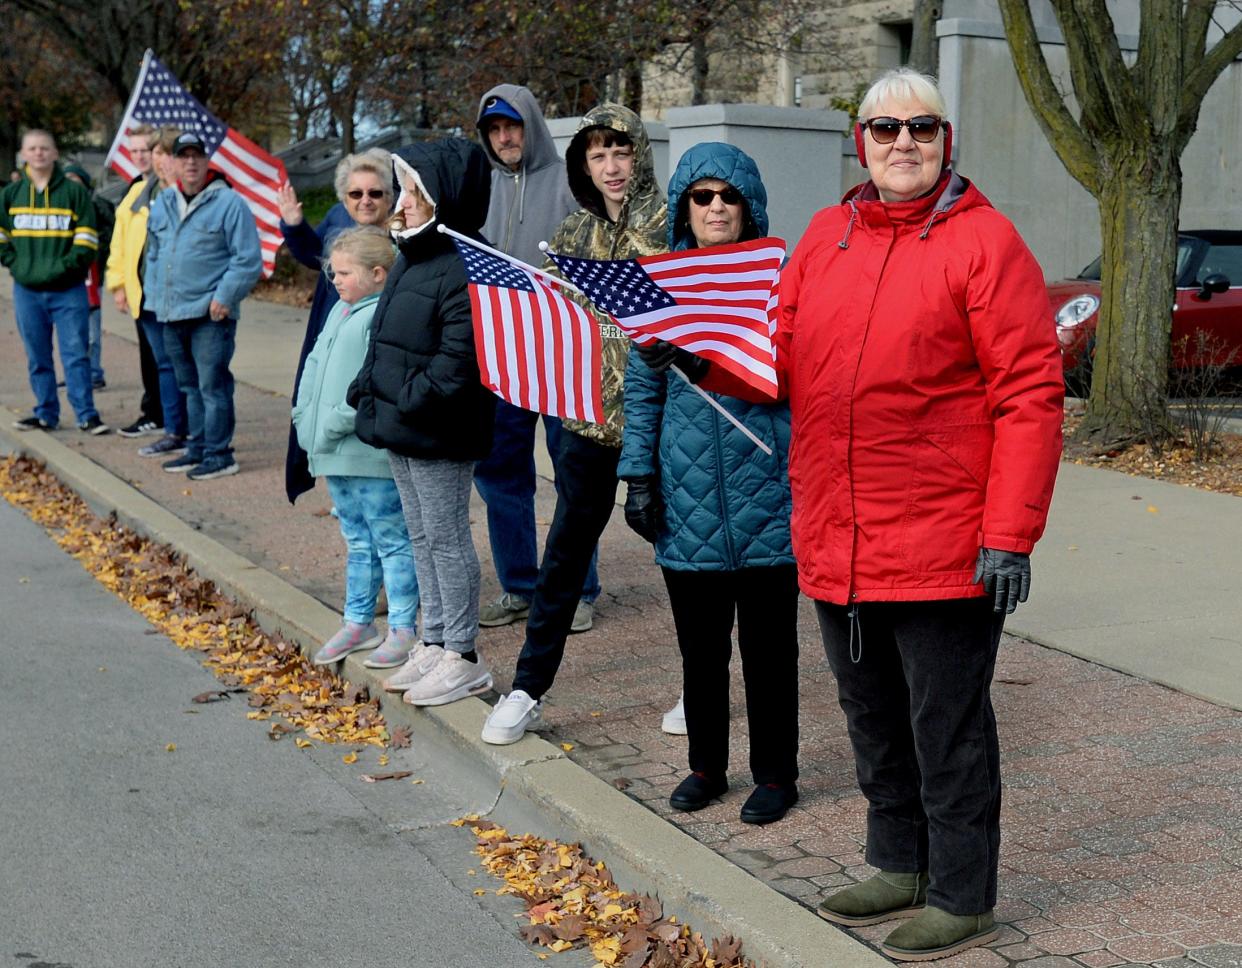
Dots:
(323, 420)
(196, 252)
(726, 503)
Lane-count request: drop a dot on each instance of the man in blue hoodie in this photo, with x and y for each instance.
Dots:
(203, 258)
(530, 197)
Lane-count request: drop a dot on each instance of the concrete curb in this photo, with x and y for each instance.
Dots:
(531, 785)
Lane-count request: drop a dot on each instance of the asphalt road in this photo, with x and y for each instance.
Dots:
(230, 851)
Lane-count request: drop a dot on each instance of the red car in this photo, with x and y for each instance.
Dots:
(1208, 299)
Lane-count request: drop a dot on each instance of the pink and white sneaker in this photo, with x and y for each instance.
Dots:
(351, 638)
(394, 650)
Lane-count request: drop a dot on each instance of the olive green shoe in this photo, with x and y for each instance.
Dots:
(885, 896)
(937, 934)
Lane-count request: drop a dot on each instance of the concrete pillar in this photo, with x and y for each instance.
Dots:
(798, 152)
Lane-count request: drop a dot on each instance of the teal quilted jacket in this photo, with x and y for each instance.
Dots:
(726, 503)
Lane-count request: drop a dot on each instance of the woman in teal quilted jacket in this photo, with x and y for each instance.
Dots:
(717, 509)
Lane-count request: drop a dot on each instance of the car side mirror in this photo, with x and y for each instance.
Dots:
(1216, 283)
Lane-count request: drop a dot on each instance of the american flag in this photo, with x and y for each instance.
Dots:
(718, 303)
(159, 99)
(537, 349)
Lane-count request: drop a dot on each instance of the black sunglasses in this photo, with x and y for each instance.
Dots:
(884, 131)
(703, 197)
(357, 193)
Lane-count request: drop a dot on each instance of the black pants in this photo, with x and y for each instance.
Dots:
(917, 702)
(150, 406)
(765, 601)
(586, 490)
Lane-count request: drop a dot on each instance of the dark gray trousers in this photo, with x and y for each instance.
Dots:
(914, 683)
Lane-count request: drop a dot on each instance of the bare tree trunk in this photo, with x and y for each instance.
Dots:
(699, 68)
(348, 111)
(924, 48)
(1139, 197)
(634, 85)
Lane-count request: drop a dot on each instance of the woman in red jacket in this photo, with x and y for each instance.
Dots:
(925, 388)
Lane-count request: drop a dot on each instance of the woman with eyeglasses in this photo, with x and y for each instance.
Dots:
(364, 187)
(717, 509)
(915, 346)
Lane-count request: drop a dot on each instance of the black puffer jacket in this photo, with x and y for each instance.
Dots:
(418, 393)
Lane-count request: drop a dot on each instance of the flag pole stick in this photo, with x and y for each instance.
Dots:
(723, 412)
(546, 276)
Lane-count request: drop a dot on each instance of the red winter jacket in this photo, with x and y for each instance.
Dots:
(917, 348)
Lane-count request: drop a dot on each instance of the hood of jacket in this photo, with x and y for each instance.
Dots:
(642, 187)
(538, 148)
(454, 174)
(714, 159)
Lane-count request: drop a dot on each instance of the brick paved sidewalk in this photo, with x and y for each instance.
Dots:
(1122, 825)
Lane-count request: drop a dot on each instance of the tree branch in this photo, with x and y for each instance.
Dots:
(1075, 149)
(1101, 81)
(1159, 69)
(1194, 32)
(1197, 82)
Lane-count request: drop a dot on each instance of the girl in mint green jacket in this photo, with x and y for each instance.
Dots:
(358, 476)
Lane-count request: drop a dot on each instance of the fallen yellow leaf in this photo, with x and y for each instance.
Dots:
(416, 783)
(383, 760)
(478, 891)
(349, 758)
(559, 946)
(171, 747)
(567, 746)
(1152, 509)
(302, 743)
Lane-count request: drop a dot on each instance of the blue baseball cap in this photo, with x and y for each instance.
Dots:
(499, 107)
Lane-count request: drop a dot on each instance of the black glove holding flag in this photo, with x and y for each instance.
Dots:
(644, 508)
(1006, 575)
(660, 355)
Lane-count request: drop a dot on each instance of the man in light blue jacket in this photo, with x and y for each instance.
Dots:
(202, 259)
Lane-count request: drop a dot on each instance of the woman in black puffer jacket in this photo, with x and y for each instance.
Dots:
(419, 396)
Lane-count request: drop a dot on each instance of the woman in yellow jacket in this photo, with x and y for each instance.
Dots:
(163, 406)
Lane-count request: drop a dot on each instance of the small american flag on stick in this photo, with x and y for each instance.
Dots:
(159, 99)
(718, 303)
(536, 349)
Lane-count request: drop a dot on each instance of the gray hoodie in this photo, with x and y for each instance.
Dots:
(528, 204)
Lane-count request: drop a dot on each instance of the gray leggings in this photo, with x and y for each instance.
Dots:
(435, 499)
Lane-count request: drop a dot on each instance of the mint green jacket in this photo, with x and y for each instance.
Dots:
(323, 420)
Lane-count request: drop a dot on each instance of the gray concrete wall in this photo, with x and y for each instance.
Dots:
(999, 145)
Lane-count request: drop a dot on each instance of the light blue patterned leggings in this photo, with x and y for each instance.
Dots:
(379, 549)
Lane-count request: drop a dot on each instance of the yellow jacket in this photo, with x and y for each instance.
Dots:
(129, 238)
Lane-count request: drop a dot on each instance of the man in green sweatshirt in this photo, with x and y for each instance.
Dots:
(48, 242)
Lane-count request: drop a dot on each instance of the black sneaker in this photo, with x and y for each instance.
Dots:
(166, 446)
(93, 426)
(99, 385)
(140, 428)
(213, 467)
(32, 423)
(182, 464)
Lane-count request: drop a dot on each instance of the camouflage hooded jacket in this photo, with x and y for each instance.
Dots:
(589, 233)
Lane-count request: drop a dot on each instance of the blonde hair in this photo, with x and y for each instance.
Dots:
(143, 131)
(369, 244)
(903, 84)
(165, 139)
(375, 160)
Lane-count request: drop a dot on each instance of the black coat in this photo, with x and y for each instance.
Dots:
(418, 393)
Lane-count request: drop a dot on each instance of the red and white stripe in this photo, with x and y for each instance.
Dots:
(538, 350)
(726, 306)
(255, 175)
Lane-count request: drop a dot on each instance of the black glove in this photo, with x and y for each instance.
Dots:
(644, 509)
(1006, 575)
(660, 355)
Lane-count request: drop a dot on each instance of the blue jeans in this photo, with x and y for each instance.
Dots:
(506, 482)
(200, 350)
(95, 340)
(38, 311)
(172, 400)
(378, 547)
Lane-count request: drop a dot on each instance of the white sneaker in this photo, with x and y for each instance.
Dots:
(675, 719)
(421, 660)
(511, 718)
(450, 679)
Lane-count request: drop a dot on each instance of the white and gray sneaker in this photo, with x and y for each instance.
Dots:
(450, 679)
(421, 660)
(674, 722)
(511, 718)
